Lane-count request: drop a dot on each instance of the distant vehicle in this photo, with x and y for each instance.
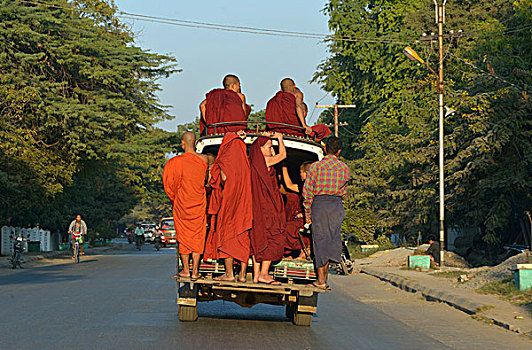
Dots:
(149, 230)
(167, 229)
(18, 249)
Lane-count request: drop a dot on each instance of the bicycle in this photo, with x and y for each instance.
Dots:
(75, 247)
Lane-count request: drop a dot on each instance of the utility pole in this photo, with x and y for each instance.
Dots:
(440, 19)
(336, 123)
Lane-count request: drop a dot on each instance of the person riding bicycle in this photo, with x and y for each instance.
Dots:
(77, 229)
(139, 234)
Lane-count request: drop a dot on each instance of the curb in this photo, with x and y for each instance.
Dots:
(432, 294)
(46, 255)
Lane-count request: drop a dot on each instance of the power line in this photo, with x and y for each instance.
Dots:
(488, 73)
(481, 33)
(314, 109)
(226, 27)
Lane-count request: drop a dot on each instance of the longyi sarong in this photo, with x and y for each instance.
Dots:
(327, 213)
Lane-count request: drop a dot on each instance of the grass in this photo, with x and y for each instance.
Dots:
(507, 290)
(449, 274)
(432, 268)
(356, 252)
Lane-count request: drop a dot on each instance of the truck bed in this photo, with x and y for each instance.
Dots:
(286, 270)
(250, 286)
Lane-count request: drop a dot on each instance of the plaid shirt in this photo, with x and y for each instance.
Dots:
(326, 177)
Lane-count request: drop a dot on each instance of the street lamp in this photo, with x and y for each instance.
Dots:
(412, 55)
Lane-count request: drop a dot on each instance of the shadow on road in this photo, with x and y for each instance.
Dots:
(219, 310)
(44, 274)
(87, 261)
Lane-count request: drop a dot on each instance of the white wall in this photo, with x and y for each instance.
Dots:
(36, 234)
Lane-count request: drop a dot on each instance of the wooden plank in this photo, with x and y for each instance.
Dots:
(187, 301)
(249, 284)
(256, 290)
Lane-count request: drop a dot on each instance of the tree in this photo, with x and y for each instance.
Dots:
(73, 86)
(394, 146)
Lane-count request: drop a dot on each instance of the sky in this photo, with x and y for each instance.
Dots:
(206, 56)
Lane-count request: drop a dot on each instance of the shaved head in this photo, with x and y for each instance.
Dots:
(288, 85)
(189, 139)
(230, 79)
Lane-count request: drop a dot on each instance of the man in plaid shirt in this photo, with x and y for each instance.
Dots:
(323, 193)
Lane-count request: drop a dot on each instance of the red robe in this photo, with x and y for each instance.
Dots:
(224, 106)
(282, 109)
(268, 233)
(293, 223)
(230, 204)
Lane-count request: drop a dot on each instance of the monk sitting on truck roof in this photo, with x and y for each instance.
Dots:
(287, 107)
(230, 206)
(269, 223)
(184, 182)
(224, 105)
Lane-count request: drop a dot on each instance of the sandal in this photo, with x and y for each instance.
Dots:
(324, 286)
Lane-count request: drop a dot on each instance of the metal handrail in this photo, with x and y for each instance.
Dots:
(252, 122)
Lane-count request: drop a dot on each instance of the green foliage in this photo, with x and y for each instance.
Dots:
(74, 89)
(360, 223)
(506, 290)
(394, 129)
(259, 116)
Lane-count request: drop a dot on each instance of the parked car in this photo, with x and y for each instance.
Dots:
(148, 231)
(167, 229)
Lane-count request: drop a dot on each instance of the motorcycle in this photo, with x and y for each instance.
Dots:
(346, 264)
(18, 249)
(139, 242)
(130, 238)
(158, 242)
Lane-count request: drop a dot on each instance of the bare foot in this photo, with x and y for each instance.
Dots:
(196, 276)
(269, 281)
(224, 277)
(183, 274)
(242, 279)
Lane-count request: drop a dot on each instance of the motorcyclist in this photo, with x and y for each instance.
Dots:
(157, 237)
(77, 229)
(139, 235)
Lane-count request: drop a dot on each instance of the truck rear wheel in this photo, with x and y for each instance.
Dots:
(187, 313)
(302, 318)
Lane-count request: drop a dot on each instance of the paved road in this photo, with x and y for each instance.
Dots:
(127, 301)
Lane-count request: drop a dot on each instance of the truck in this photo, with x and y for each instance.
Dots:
(295, 292)
(149, 229)
(167, 231)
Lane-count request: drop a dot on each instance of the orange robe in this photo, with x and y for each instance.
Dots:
(184, 183)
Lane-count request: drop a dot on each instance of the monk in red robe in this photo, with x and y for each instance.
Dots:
(224, 105)
(230, 206)
(287, 107)
(184, 182)
(268, 233)
(294, 214)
